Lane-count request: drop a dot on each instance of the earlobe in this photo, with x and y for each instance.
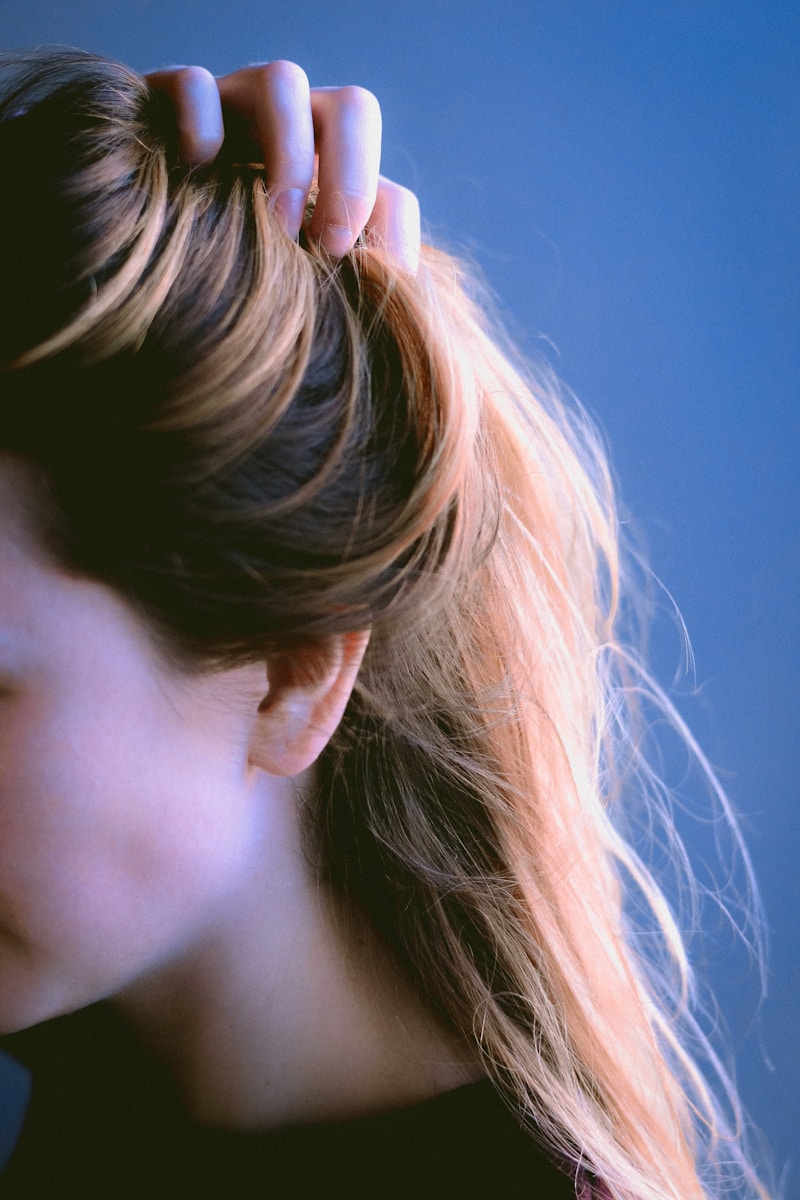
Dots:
(307, 692)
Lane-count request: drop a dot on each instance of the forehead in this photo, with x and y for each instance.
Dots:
(43, 608)
(34, 581)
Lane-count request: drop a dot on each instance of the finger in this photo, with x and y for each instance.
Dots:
(347, 125)
(394, 224)
(273, 99)
(193, 92)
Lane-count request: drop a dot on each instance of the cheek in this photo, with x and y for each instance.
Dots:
(115, 845)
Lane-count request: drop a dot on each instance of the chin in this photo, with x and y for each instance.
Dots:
(25, 1003)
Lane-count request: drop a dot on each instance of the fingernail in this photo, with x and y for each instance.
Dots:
(290, 207)
(336, 239)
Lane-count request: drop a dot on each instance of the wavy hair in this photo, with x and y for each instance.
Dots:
(259, 449)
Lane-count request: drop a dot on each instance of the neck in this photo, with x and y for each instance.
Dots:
(277, 1014)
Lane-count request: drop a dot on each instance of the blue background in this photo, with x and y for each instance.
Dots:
(626, 175)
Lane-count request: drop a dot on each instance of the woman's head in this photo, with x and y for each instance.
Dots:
(260, 453)
(243, 444)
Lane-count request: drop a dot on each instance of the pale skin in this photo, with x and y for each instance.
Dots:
(150, 844)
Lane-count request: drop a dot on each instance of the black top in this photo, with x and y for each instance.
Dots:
(104, 1121)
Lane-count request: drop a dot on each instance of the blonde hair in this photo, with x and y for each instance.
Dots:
(259, 449)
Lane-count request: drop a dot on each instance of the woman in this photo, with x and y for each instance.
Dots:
(314, 704)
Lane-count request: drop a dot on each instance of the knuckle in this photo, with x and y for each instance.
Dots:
(193, 77)
(284, 73)
(359, 98)
(398, 195)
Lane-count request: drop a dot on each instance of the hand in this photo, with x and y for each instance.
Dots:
(292, 125)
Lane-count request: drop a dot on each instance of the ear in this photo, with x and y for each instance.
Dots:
(308, 690)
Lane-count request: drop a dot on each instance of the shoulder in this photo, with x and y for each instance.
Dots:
(103, 1115)
(464, 1143)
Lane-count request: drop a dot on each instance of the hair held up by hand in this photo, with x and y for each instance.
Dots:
(259, 448)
